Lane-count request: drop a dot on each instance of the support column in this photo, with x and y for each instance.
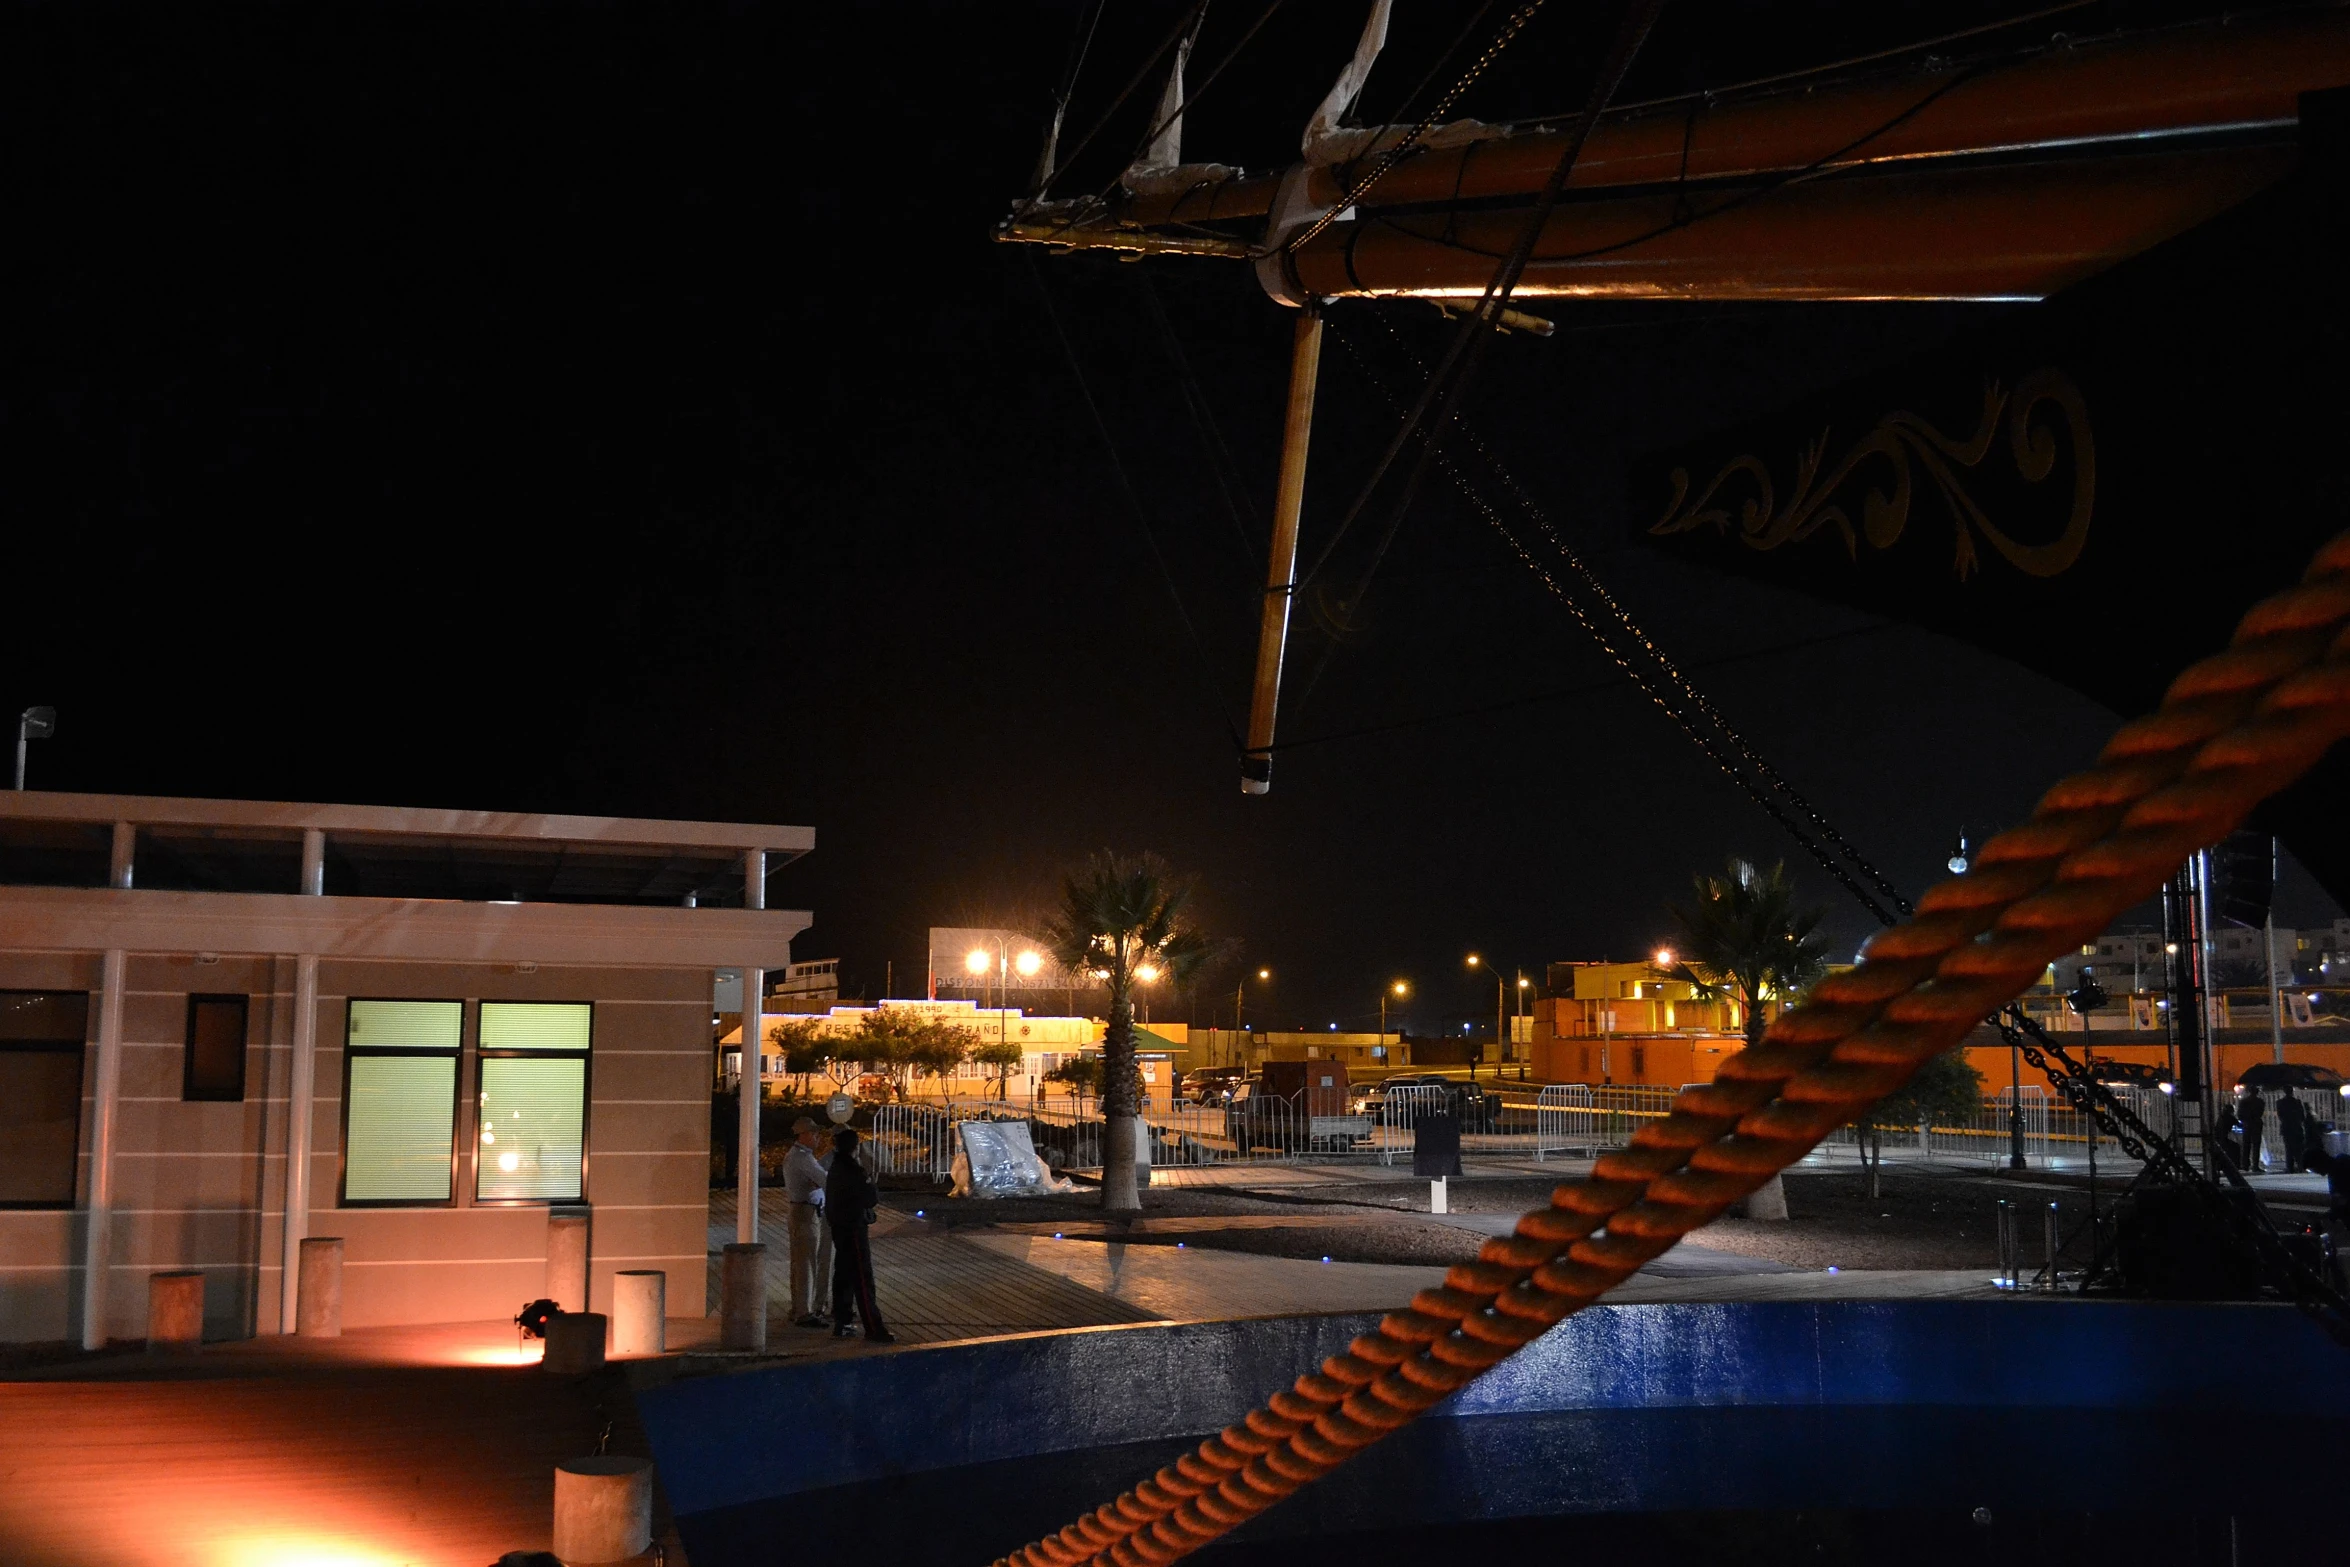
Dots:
(301, 1097)
(97, 1234)
(1305, 362)
(746, 1221)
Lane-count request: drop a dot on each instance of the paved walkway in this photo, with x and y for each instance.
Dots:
(932, 1286)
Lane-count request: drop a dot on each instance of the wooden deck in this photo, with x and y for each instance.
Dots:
(932, 1287)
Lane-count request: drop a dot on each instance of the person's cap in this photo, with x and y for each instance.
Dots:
(806, 1123)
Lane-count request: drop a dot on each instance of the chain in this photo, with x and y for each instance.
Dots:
(2090, 1097)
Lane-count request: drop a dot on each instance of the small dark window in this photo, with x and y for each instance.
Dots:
(1639, 1060)
(41, 1034)
(216, 1048)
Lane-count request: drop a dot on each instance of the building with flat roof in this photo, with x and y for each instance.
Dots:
(455, 1022)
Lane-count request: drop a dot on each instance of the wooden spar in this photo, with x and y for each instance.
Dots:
(1927, 183)
(1305, 363)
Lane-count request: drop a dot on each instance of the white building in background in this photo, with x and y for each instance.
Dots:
(2134, 959)
(999, 968)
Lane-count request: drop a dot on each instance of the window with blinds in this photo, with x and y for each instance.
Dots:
(400, 1101)
(533, 1105)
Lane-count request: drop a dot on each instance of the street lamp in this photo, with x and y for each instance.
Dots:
(1240, 1005)
(1500, 1013)
(979, 961)
(34, 723)
(1399, 989)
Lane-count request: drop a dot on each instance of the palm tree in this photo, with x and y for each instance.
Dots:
(1743, 940)
(1121, 919)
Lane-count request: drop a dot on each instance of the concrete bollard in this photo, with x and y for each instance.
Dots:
(320, 1311)
(742, 1296)
(175, 1313)
(603, 1508)
(575, 1342)
(1436, 1196)
(638, 1297)
(567, 1260)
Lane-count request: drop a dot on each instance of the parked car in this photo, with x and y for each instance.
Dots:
(1374, 1101)
(1210, 1085)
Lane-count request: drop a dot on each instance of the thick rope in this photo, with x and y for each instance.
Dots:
(2231, 731)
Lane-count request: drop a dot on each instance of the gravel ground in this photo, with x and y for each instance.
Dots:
(1919, 1221)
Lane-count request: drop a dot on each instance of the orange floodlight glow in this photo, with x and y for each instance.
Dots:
(305, 1550)
(977, 961)
(1028, 963)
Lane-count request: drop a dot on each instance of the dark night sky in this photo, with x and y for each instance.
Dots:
(621, 409)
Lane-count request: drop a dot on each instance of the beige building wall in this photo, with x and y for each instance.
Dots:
(201, 1185)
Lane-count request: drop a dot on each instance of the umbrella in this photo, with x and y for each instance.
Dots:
(2290, 1074)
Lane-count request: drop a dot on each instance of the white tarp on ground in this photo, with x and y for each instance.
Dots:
(998, 1159)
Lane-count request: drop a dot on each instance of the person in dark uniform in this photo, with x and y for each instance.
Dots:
(2293, 1131)
(849, 1195)
(2253, 1114)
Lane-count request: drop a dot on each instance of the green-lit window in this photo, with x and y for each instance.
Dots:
(400, 1101)
(534, 1082)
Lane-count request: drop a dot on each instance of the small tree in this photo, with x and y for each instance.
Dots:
(1081, 1075)
(934, 1046)
(1744, 940)
(1002, 1054)
(800, 1042)
(1945, 1089)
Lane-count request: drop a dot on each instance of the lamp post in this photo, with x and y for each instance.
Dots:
(1240, 1001)
(34, 723)
(1029, 964)
(1500, 1014)
(1398, 989)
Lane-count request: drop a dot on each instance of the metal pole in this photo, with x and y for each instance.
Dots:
(1500, 1020)
(2186, 1010)
(2015, 1108)
(2276, 999)
(301, 1100)
(746, 1178)
(1256, 763)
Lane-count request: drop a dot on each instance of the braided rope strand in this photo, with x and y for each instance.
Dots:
(2232, 730)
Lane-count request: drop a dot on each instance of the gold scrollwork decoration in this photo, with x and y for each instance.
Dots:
(1901, 441)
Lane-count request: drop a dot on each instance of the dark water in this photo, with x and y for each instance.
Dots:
(1897, 1488)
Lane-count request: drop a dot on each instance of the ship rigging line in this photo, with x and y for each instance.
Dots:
(1623, 618)
(1150, 537)
(1182, 25)
(1461, 359)
(1190, 101)
(1662, 682)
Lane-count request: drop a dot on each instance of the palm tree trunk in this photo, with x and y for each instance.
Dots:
(1768, 1201)
(1119, 1193)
